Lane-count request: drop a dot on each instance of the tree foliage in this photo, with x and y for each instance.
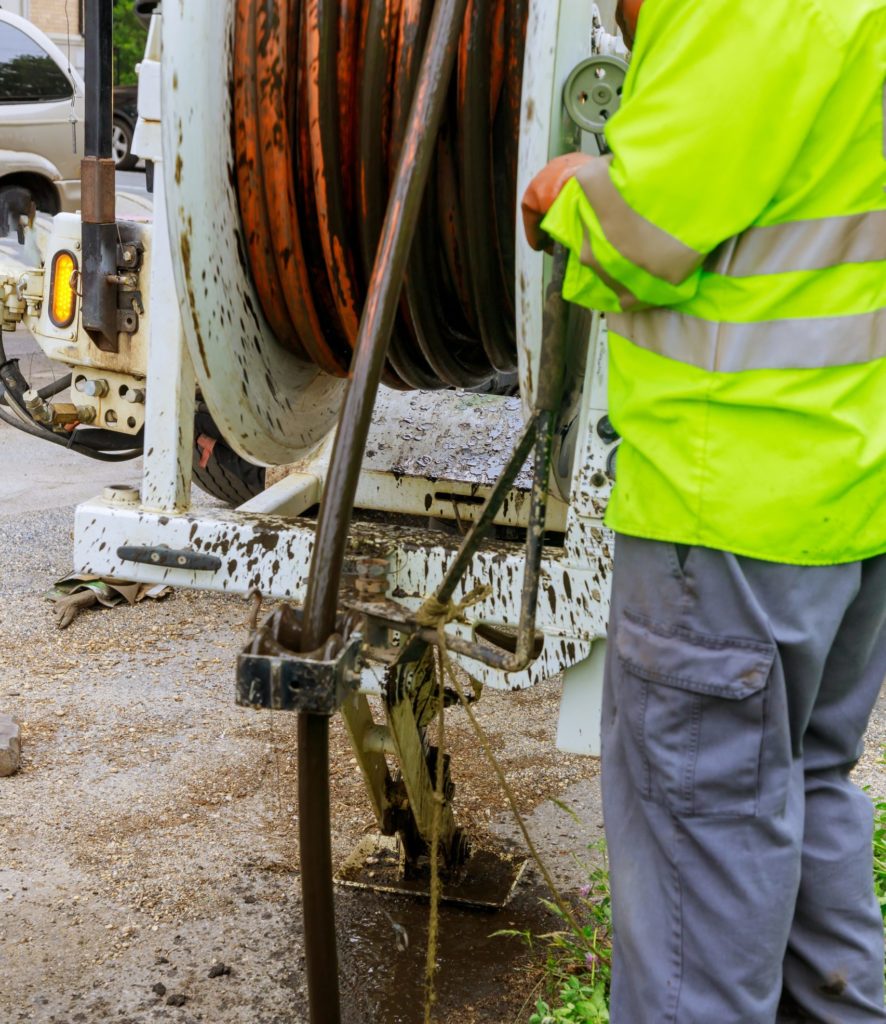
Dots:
(129, 42)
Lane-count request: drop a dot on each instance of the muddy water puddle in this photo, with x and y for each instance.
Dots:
(483, 978)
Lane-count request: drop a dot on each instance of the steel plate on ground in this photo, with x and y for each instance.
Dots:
(486, 881)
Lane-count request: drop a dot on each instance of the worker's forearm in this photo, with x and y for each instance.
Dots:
(618, 261)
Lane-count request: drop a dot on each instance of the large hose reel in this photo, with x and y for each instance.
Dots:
(277, 170)
(322, 92)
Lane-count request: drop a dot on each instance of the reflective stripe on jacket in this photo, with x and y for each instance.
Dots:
(737, 239)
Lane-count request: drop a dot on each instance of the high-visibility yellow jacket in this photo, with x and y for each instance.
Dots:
(737, 238)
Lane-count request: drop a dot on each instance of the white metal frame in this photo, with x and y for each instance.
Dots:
(264, 545)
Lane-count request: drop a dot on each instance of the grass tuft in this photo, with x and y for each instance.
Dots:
(880, 858)
(578, 963)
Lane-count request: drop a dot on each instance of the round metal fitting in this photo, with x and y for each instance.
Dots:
(91, 388)
(121, 494)
(593, 92)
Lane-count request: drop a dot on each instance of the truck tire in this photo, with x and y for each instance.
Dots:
(121, 145)
(218, 470)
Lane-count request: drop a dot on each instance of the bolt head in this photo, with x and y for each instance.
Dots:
(92, 388)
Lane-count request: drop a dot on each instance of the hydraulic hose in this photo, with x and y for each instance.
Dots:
(56, 387)
(124, 455)
(95, 443)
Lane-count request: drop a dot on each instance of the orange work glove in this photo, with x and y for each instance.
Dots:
(543, 190)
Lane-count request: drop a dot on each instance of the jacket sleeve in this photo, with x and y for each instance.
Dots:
(718, 102)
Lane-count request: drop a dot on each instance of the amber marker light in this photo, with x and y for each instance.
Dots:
(62, 297)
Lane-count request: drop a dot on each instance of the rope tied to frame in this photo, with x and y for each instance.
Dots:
(435, 614)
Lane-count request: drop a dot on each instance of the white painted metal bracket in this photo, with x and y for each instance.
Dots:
(286, 410)
(272, 554)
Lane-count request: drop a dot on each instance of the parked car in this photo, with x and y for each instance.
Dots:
(41, 119)
(125, 117)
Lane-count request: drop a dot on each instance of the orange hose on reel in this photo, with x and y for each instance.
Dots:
(321, 93)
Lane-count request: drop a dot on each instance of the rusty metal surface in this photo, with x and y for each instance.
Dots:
(315, 854)
(97, 190)
(250, 178)
(272, 672)
(482, 51)
(321, 80)
(378, 318)
(371, 346)
(98, 307)
(540, 433)
(272, 405)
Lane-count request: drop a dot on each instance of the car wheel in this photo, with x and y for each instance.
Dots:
(121, 146)
(15, 203)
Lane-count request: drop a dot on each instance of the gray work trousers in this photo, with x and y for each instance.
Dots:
(736, 699)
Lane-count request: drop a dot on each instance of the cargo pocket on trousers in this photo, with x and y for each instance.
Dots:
(696, 705)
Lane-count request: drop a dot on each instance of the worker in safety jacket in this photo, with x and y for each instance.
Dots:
(736, 238)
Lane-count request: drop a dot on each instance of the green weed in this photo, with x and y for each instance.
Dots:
(577, 1004)
(880, 854)
(578, 963)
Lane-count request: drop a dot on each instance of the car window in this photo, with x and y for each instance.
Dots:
(27, 72)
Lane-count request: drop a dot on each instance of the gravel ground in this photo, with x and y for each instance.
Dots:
(151, 834)
(152, 830)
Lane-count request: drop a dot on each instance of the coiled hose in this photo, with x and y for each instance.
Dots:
(322, 91)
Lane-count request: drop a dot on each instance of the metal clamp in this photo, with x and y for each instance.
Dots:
(271, 674)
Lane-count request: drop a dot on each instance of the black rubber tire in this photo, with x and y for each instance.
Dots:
(130, 160)
(226, 476)
(15, 201)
